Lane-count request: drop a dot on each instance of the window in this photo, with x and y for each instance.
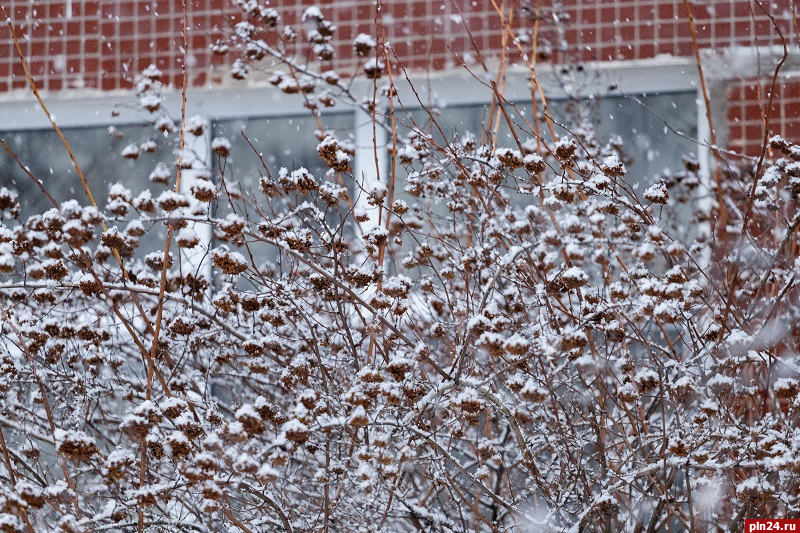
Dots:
(280, 128)
(98, 153)
(282, 142)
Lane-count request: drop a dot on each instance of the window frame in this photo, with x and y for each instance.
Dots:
(459, 87)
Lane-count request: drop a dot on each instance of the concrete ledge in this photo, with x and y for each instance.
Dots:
(663, 74)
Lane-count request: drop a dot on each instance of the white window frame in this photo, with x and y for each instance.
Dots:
(445, 89)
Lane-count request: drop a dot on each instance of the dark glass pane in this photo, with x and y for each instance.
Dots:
(276, 142)
(98, 155)
(648, 131)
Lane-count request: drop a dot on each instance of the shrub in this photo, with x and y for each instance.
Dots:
(520, 341)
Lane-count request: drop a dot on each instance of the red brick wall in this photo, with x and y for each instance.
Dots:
(83, 44)
(102, 44)
(639, 29)
(749, 104)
